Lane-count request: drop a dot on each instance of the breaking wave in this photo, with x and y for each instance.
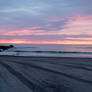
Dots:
(55, 52)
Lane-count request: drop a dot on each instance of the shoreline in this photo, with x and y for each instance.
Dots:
(46, 57)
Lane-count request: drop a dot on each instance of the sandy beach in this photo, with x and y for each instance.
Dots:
(45, 74)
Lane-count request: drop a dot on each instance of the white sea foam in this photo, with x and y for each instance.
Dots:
(50, 50)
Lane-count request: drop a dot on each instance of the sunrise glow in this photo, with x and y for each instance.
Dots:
(39, 24)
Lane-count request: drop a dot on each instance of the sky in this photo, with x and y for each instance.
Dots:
(46, 21)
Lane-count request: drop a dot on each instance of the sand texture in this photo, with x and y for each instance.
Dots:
(45, 74)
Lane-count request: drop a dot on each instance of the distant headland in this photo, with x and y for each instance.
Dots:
(2, 47)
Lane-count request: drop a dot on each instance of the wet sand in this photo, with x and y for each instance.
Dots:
(45, 74)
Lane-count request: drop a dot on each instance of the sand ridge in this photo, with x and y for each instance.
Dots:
(45, 74)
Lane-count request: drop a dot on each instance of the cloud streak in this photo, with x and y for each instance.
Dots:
(50, 21)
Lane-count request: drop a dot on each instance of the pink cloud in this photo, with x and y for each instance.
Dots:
(45, 42)
(81, 20)
(78, 25)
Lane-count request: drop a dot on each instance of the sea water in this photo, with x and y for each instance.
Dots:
(54, 50)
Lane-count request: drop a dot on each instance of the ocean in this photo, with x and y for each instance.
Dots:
(53, 50)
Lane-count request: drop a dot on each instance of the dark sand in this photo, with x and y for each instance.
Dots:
(45, 74)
